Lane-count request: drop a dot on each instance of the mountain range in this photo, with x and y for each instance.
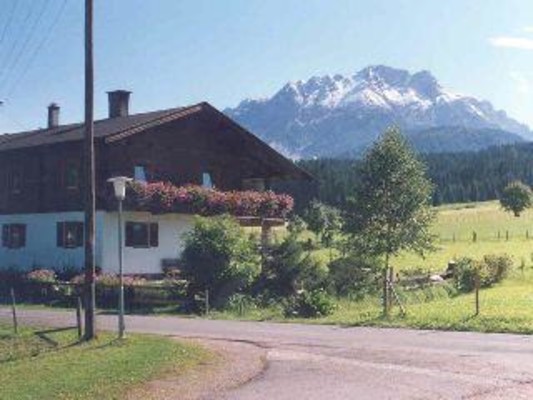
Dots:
(336, 116)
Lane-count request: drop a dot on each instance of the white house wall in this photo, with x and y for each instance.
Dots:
(41, 242)
(41, 249)
(145, 260)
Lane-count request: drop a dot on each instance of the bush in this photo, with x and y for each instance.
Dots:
(498, 266)
(220, 257)
(491, 269)
(354, 275)
(288, 268)
(310, 304)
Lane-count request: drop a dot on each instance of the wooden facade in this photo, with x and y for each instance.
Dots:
(47, 176)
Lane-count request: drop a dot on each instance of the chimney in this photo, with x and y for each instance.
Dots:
(53, 116)
(118, 103)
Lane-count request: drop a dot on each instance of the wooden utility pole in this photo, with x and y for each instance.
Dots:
(90, 202)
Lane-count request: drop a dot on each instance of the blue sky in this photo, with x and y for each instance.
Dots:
(178, 52)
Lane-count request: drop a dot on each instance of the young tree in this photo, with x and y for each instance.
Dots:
(323, 220)
(516, 197)
(391, 210)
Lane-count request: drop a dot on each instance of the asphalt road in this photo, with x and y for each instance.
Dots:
(327, 362)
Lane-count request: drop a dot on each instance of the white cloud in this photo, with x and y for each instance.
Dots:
(512, 42)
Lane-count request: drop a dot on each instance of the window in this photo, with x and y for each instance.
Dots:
(14, 236)
(15, 181)
(142, 234)
(71, 175)
(207, 182)
(69, 234)
(139, 173)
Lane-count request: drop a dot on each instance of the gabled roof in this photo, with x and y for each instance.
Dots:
(115, 129)
(106, 128)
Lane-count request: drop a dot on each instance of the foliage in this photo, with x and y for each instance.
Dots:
(516, 197)
(354, 275)
(489, 270)
(220, 257)
(391, 210)
(288, 268)
(164, 197)
(323, 220)
(110, 279)
(310, 304)
(42, 276)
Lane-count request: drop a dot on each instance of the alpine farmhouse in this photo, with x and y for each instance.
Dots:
(41, 185)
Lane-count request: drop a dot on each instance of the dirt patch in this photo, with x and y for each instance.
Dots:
(235, 364)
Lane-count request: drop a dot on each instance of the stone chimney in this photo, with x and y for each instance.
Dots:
(53, 116)
(118, 103)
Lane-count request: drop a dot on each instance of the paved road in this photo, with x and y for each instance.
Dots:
(326, 362)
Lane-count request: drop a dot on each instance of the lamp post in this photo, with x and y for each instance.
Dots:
(119, 185)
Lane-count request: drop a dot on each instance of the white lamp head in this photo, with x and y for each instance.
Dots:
(119, 184)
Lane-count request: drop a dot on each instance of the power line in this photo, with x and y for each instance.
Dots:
(9, 19)
(22, 49)
(17, 40)
(37, 49)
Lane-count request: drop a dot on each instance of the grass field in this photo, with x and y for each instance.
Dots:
(55, 366)
(506, 307)
(486, 219)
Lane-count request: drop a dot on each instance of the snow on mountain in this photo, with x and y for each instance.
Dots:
(330, 115)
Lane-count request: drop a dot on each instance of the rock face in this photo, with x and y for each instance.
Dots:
(339, 115)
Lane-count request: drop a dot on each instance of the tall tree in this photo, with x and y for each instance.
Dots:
(516, 197)
(391, 210)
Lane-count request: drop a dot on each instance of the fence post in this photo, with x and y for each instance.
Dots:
(206, 301)
(78, 317)
(507, 235)
(474, 236)
(454, 237)
(527, 234)
(477, 283)
(14, 311)
(499, 235)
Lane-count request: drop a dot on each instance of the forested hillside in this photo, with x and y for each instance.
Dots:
(458, 177)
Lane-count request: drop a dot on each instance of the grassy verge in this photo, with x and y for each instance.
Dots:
(55, 366)
(506, 307)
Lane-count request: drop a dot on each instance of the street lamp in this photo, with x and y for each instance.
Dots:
(119, 185)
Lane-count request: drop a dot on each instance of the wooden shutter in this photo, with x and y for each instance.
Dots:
(79, 234)
(154, 234)
(5, 235)
(60, 234)
(22, 235)
(129, 234)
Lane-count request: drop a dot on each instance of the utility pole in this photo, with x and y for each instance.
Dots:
(90, 202)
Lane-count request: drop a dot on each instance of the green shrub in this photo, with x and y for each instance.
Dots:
(491, 269)
(498, 266)
(288, 268)
(220, 257)
(354, 276)
(310, 304)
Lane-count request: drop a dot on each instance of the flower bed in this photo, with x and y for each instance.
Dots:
(163, 197)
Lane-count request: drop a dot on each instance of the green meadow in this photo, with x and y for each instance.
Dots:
(496, 232)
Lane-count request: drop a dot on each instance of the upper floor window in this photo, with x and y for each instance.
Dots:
(71, 175)
(15, 181)
(139, 173)
(14, 236)
(207, 182)
(69, 234)
(142, 234)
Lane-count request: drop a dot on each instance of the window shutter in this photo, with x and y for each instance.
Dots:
(5, 235)
(154, 235)
(22, 233)
(79, 234)
(129, 234)
(60, 232)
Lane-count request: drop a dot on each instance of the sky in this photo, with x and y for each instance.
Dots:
(179, 52)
